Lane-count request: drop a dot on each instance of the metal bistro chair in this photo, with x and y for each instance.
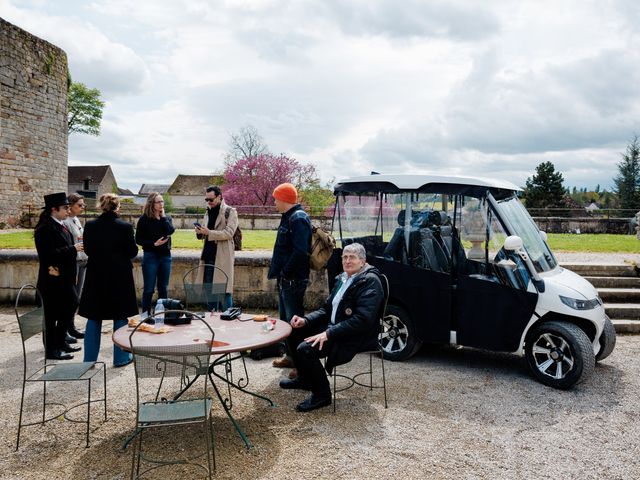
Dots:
(31, 324)
(355, 379)
(203, 297)
(154, 367)
(200, 294)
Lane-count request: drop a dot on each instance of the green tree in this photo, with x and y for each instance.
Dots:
(84, 109)
(317, 198)
(627, 183)
(168, 202)
(545, 189)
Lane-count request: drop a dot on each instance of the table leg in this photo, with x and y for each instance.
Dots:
(242, 382)
(228, 410)
(241, 385)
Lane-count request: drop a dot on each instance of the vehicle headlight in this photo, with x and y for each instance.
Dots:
(578, 304)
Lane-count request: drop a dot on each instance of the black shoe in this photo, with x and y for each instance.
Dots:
(291, 384)
(58, 355)
(69, 349)
(313, 402)
(75, 333)
(70, 339)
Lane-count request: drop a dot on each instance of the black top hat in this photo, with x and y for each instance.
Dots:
(54, 200)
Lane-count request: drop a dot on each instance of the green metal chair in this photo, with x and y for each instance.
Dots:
(160, 371)
(361, 378)
(200, 296)
(32, 325)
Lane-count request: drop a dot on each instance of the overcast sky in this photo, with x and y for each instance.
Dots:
(487, 88)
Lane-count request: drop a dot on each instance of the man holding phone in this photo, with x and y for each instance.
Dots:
(218, 226)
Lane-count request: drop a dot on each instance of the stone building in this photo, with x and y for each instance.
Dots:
(189, 190)
(147, 188)
(92, 181)
(33, 122)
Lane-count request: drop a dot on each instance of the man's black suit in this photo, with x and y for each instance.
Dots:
(56, 280)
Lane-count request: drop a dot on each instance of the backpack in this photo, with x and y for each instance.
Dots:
(237, 235)
(322, 245)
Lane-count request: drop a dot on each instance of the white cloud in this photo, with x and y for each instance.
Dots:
(151, 146)
(93, 58)
(492, 88)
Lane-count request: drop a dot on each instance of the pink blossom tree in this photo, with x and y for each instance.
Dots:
(251, 180)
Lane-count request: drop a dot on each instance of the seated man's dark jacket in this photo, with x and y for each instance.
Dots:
(357, 322)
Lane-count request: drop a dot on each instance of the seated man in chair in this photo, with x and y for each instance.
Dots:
(346, 324)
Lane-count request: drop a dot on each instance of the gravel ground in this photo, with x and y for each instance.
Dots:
(453, 413)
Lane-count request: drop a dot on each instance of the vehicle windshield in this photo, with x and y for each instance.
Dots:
(523, 225)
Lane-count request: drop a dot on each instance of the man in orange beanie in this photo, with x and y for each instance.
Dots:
(290, 260)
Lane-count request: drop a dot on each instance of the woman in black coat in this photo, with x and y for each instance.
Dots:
(109, 291)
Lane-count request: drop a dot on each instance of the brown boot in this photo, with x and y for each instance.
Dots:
(283, 362)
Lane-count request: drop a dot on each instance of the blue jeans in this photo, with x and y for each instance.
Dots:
(291, 298)
(221, 306)
(92, 335)
(156, 270)
(207, 277)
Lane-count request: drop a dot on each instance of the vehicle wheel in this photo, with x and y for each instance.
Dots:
(559, 354)
(607, 340)
(399, 340)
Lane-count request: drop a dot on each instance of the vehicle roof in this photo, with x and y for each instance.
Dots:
(451, 184)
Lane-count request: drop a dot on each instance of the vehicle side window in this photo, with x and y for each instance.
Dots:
(479, 251)
(421, 234)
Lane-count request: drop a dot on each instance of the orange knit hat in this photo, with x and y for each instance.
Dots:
(286, 192)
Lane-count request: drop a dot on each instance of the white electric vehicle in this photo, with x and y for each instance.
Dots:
(468, 266)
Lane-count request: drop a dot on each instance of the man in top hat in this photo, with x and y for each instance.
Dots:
(290, 260)
(57, 274)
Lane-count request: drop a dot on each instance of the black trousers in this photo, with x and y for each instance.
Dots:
(59, 311)
(307, 360)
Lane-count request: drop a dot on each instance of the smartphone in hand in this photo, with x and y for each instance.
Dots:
(196, 224)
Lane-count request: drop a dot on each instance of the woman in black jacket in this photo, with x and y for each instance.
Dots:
(346, 324)
(153, 234)
(109, 291)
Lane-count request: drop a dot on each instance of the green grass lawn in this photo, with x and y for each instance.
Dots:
(251, 239)
(591, 242)
(264, 239)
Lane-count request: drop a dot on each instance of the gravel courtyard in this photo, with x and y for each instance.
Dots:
(453, 413)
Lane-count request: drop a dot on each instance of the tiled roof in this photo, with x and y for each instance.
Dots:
(125, 191)
(147, 188)
(193, 184)
(96, 172)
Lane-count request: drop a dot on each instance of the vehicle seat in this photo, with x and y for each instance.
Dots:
(435, 257)
(518, 278)
(461, 264)
(395, 249)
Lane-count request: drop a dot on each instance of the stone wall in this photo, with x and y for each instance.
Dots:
(33, 122)
(251, 286)
(585, 225)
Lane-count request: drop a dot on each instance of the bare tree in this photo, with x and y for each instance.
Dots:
(245, 144)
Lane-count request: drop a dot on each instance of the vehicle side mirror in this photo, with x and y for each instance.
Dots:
(543, 235)
(513, 243)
